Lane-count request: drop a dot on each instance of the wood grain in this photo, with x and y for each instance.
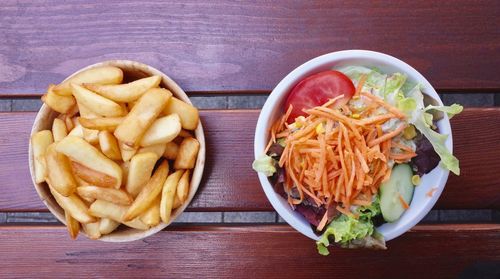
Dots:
(232, 46)
(230, 184)
(438, 251)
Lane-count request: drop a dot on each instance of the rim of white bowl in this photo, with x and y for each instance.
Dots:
(435, 180)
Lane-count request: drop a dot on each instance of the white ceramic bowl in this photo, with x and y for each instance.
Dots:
(273, 108)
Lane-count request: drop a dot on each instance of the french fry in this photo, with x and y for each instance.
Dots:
(106, 194)
(69, 123)
(125, 169)
(125, 92)
(148, 193)
(163, 130)
(142, 116)
(87, 155)
(185, 134)
(72, 225)
(109, 145)
(77, 131)
(171, 150)
(99, 75)
(126, 151)
(61, 104)
(183, 187)
(74, 206)
(140, 169)
(59, 130)
(151, 216)
(92, 230)
(93, 177)
(91, 136)
(177, 203)
(39, 142)
(188, 114)
(59, 171)
(72, 112)
(107, 225)
(86, 112)
(101, 123)
(158, 149)
(115, 212)
(168, 194)
(188, 151)
(98, 104)
(80, 182)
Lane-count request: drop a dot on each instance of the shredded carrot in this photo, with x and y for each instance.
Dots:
(330, 156)
(387, 136)
(431, 192)
(403, 202)
(381, 102)
(361, 82)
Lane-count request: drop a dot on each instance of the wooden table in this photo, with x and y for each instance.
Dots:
(227, 48)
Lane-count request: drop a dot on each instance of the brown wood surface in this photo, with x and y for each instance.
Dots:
(249, 45)
(431, 251)
(229, 183)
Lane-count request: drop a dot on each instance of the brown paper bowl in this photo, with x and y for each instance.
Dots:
(132, 71)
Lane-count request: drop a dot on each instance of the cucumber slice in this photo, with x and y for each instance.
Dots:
(398, 184)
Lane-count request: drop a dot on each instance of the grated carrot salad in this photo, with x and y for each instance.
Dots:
(331, 156)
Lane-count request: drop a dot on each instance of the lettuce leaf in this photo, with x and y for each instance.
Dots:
(450, 110)
(345, 228)
(422, 120)
(264, 164)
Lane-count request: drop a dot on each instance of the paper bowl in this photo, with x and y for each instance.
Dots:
(421, 203)
(132, 70)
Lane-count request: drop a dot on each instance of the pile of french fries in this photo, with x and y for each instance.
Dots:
(117, 153)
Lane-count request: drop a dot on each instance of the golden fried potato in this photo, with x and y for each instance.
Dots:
(139, 173)
(188, 151)
(39, 143)
(96, 103)
(92, 230)
(189, 114)
(72, 225)
(107, 225)
(158, 149)
(183, 187)
(61, 104)
(125, 92)
(101, 123)
(142, 115)
(109, 145)
(151, 216)
(115, 212)
(106, 194)
(99, 75)
(74, 206)
(59, 130)
(163, 130)
(171, 150)
(148, 193)
(87, 155)
(59, 171)
(168, 194)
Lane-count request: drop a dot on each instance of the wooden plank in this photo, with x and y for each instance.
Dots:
(440, 251)
(245, 45)
(229, 183)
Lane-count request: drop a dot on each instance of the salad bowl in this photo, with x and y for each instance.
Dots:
(431, 184)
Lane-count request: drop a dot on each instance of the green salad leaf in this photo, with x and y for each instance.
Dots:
(422, 120)
(345, 229)
(264, 164)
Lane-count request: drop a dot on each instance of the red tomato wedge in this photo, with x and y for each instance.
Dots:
(316, 90)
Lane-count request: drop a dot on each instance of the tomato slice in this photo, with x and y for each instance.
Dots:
(316, 90)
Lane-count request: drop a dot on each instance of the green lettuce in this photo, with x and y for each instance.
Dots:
(345, 229)
(264, 164)
(450, 110)
(422, 120)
